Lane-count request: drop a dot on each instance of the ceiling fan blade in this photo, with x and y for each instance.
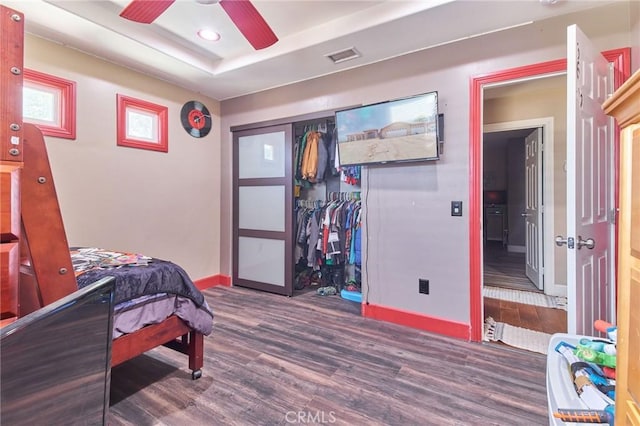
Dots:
(250, 23)
(145, 11)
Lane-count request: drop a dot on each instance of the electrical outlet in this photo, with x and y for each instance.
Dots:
(423, 286)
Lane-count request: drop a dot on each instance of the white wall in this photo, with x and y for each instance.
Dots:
(409, 229)
(161, 204)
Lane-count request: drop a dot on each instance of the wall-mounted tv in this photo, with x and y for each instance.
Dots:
(398, 130)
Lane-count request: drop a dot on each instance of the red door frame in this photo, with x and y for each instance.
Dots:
(621, 58)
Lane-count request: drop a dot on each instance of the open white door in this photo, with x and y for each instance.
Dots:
(533, 204)
(590, 258)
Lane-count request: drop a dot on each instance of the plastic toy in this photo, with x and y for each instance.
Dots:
(607, 328)
(586, 416)
(585, 353)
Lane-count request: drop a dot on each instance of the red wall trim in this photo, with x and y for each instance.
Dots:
(621, 60)
(475, 178)
(475, 168)
(67, 112)
(123, 103)
(415, 320)
(213, 281)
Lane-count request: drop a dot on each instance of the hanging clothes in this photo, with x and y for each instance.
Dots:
(329, 234)
(299, 151)
(325, 230)
(310, 157)
(323, 156)
(333, 163)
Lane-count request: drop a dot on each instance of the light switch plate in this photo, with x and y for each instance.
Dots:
(456, 208)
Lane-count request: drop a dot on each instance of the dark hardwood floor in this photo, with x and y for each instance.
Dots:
(506, 269)
(273, 360)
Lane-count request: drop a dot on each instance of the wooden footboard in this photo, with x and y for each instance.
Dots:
(172, 333)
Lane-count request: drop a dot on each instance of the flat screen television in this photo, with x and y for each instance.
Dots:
(393, 131)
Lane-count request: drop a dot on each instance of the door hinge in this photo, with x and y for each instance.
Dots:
(612, 216)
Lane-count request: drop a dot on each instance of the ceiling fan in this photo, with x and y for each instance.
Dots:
(242, 12)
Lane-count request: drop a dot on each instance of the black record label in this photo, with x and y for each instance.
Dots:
(195, 119)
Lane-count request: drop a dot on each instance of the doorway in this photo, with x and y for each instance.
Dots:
(478, 115)
(522, 155)
(513, 250)
(518, 194)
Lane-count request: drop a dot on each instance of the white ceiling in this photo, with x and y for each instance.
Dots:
(307, 30)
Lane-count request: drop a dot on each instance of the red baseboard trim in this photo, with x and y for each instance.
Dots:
(419, 321)
(213, 281)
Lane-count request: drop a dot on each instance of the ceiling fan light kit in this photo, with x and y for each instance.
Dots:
(242, 12)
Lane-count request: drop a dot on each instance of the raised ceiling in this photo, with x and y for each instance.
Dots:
(307, 30)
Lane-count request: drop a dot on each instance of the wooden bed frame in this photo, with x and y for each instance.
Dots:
(46, 271)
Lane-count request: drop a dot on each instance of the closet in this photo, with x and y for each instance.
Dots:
(327, 213)
(296, 217)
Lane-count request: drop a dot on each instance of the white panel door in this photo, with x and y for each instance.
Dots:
(589, 241)
(533, 202)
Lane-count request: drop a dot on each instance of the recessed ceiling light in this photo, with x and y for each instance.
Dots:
(209, 35)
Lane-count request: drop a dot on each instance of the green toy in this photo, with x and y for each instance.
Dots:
(587, 354)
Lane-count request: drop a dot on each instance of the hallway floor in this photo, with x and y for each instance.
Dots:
(546, 320)
(506, 269)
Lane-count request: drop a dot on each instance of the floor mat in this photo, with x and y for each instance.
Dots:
(523, 338)
(527, 297)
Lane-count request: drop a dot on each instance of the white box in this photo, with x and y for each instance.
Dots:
(560, 390)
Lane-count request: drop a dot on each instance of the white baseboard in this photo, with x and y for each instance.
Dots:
(556, 290)
(516, 249)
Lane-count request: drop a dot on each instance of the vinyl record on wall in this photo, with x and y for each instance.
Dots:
(195, 119)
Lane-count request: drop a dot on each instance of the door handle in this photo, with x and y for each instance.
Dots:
(560, 241)
(589, 243)
(525, 214)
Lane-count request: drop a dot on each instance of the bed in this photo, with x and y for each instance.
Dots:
(181, 317)
(149, 293)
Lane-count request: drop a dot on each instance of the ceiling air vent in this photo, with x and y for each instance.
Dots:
(343, 55)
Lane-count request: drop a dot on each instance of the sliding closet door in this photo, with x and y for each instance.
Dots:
(263, 209)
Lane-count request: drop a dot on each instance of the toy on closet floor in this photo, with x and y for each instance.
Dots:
(592, 363)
